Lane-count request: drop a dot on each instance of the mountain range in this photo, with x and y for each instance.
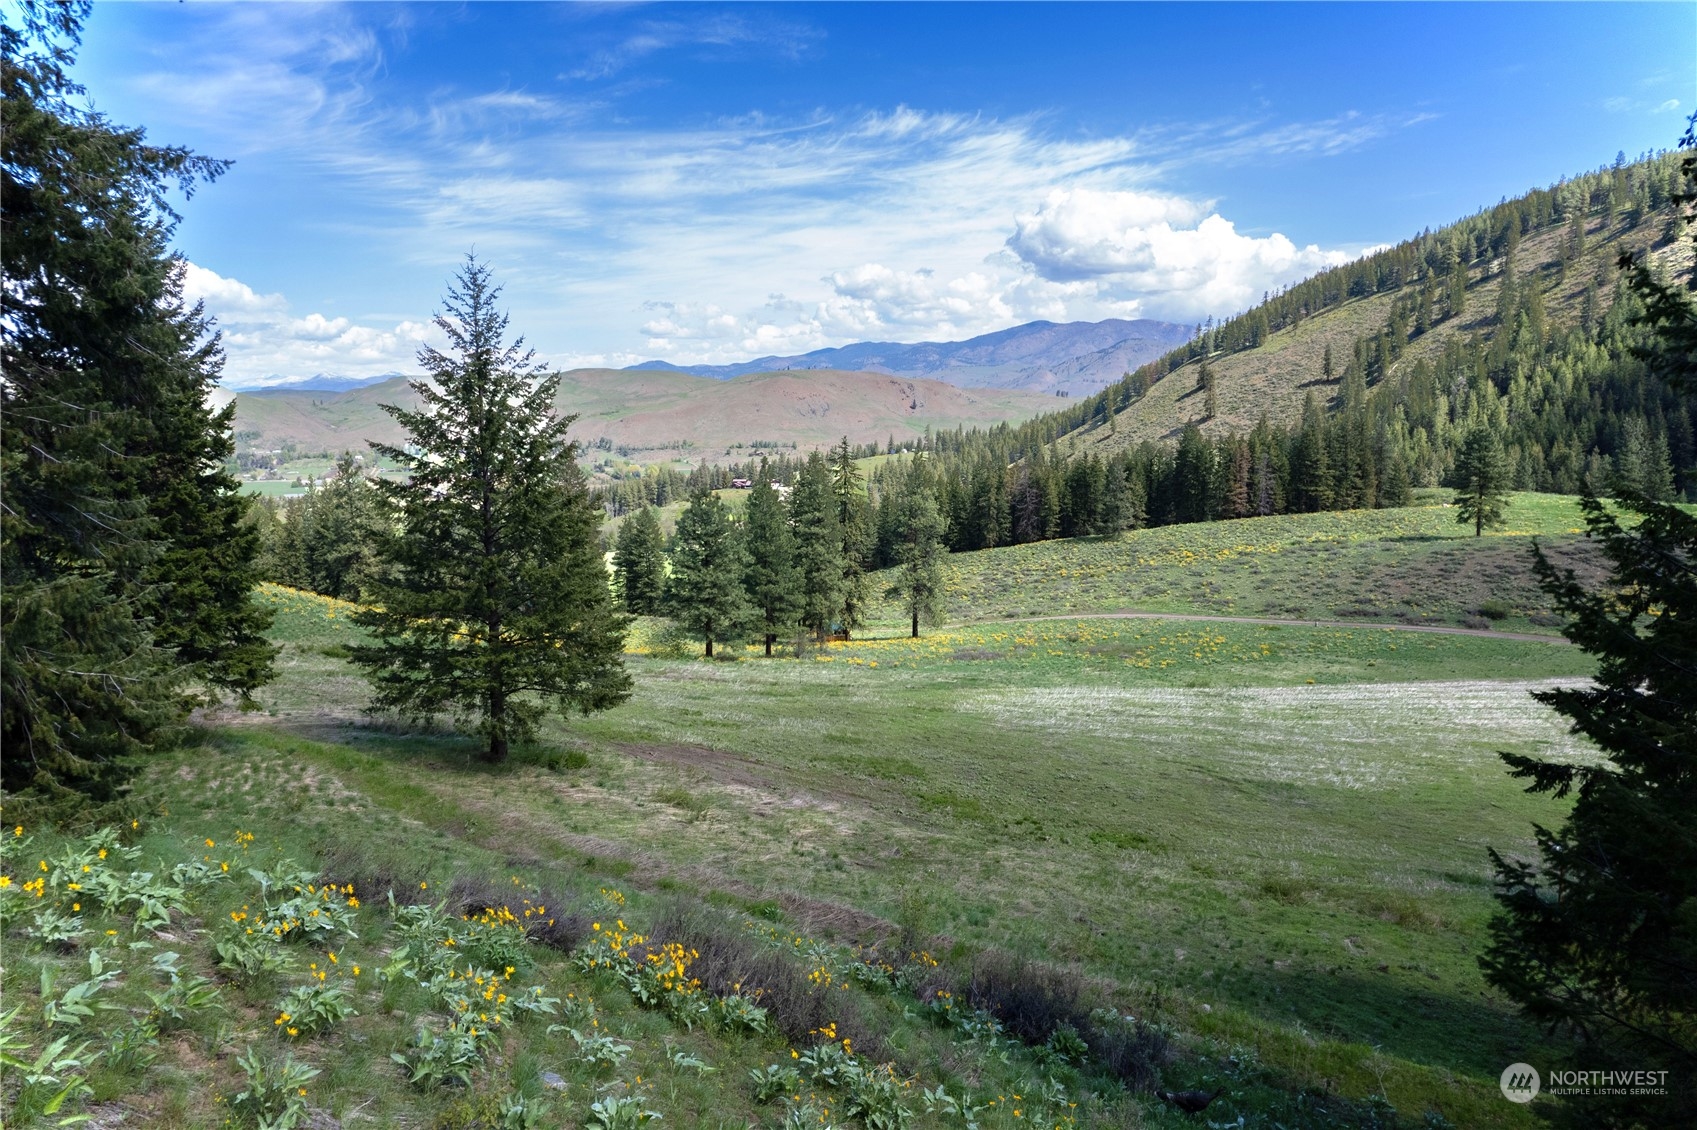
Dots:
(318, 382)
(1038, 356)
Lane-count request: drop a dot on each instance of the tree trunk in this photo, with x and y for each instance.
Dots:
(916, 623)
(710, 647)
(769, 638)
(497, 751)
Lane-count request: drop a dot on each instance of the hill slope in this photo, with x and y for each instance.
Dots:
(1559, 246)
(648, 412)
(1044, 356)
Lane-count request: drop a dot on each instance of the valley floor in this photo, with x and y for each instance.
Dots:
(1271, 836)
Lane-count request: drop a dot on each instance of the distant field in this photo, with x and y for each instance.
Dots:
(1413, 565)
(1285, 824)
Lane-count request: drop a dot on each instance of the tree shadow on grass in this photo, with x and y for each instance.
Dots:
(1439, 1025)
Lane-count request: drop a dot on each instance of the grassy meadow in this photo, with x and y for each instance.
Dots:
(1261, 846)
(1413, 565)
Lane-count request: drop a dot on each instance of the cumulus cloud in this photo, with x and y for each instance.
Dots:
(1140, 247)
(263, 342)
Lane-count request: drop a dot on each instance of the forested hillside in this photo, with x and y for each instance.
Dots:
(1353, 387)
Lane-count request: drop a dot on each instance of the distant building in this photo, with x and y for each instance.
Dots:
(741, 484)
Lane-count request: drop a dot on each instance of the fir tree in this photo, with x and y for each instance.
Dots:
(1599, 934)
(493, 599)
(772, 579)
(1482, 481)
(854, 523)
(127, 565)
(705, 590)
(639, 564)
(818, 546)
(919, 548)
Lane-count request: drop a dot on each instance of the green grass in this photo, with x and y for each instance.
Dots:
(1269, 839)
(1413, 565)
(1286, 824)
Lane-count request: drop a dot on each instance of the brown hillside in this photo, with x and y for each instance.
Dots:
(653, 414)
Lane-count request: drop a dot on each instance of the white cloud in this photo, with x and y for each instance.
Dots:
(619, 240)
(263, 342)
(1128, 244)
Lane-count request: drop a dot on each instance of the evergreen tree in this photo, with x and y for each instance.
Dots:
(1643, 468)
(853, 520)
(493, 599)
(920, 549)
(1600, 933)
(200, 585)
(323, 540)
(639, 564)
(772, 579)
(1310, 465)
(127, 566)
(818, 546)
(1482, 481)
(705, 590)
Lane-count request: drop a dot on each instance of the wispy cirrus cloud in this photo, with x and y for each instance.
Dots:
(715, 31)
(720, 238)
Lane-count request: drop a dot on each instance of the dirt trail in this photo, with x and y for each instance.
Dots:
(1486, 633)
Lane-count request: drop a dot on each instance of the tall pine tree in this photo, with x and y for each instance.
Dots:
(772, 580)
(854, 522)
(818, 546)
(639, 564)
(704, 592)
(1481, 480)
(493, 602)
(128, 570)
(920, 549)
(1599, 933)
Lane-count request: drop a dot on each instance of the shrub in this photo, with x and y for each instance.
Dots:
(543, 915)
(1030, 1000)
(1127, 1049)
(1494, 610)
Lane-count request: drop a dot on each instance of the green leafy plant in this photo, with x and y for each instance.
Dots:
(275, 1098)
(50, 1080)
(686, 1060)
(439, 1058)
(78, 1003)
(62, 931)
(938, 1101)
(736, 1013)
(619, 1112)
(310, 1009)
(248, 954)
(875, 1096)
(774, 1081)
(805, 1114)
(599, 1049)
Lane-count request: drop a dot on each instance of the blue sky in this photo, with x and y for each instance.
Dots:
(710, 182)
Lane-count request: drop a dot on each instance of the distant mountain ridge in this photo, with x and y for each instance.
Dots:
(1038, 356)
(318, 382)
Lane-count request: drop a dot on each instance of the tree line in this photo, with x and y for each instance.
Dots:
(799, 560)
